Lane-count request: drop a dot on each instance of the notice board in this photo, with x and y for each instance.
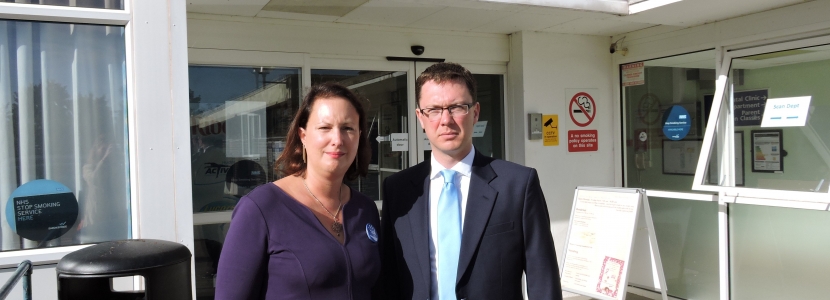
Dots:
(602, 233)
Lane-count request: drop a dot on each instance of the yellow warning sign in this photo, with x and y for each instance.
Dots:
(550, 130)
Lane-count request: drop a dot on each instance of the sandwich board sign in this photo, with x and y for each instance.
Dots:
(605, 226)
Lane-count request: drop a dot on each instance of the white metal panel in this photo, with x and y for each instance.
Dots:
(460, 19)
(152, 98)
(355, 41)
(389, 13)
(691, 13)
(295, 16)
(247, 8)
(51, 13)
(525, 21)
(244, 58)
(606, 26)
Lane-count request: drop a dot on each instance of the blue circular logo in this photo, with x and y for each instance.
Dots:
(371, 233)
(676, 122)
(41, 210)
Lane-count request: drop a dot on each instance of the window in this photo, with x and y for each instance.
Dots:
(63, 134)
(239, 118)
(105, 4)
(656, 95)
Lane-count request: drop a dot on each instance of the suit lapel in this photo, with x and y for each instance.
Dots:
(480, 202)
(419, 219)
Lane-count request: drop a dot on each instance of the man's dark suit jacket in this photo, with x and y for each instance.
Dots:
(506, 231)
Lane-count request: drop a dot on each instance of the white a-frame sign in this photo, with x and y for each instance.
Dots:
(606, 226)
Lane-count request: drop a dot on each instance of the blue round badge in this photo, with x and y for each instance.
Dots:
(371, 233)
(676, 122)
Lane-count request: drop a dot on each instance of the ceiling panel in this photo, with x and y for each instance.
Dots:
(248, 8)
(460, 19)
(524, 21)
(695, 12)
(389, 13)
(592, 26)
(337, 8)
(295, 16)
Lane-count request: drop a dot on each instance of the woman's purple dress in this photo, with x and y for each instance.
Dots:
(276, 248)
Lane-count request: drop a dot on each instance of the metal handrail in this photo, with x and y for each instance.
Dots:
(24, 269)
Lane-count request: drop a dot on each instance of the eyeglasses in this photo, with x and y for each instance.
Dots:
(434, 113)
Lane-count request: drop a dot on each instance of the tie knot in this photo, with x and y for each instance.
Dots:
(448, 174)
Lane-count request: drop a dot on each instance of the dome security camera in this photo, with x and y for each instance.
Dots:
(417, 49)
(613, 48)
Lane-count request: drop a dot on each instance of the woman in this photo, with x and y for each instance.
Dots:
(308, 235)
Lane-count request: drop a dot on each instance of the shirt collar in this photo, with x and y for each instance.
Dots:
(464, 167)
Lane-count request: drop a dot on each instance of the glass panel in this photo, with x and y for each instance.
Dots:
(208, 241)
(63, 134)
(778, 253)
(387, 111)
(684, 83)
(491, 99)
(687, 231)
(105, 4)
(239, 117)
(687, 236)
(790, 149)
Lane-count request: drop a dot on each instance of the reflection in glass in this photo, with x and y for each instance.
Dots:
(778, 253)
(63, 109)
(687, 236)
(653, 160)
(239, 119)
(387, 109)
(802, 161)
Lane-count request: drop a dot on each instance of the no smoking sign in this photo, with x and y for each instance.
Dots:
(582, 109)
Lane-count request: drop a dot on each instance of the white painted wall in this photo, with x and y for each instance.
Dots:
(542, 66)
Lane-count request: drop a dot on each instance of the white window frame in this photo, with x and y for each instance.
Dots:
(65, 14)
(721, 121)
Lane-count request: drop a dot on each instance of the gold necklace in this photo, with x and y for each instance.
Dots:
(337, 227)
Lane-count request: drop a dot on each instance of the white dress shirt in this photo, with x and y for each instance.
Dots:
(436, 183)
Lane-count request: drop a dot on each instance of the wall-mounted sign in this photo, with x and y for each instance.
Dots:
(786, 112)
(479, 128)
(767, 155)
(41, 210)
(550, 130)
(582, 140)
(633, 74)
(749, 107)
(400, 142)
(676, 122)
(582, 108)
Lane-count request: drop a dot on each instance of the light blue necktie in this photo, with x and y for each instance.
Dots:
(449, 236)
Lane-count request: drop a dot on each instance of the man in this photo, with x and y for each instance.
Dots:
(461, 225)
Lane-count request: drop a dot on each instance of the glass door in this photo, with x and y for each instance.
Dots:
(384, 95)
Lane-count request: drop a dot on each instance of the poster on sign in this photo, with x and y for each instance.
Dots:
(633, 74)
(582, 106)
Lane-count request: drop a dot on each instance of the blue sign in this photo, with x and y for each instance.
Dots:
(749, 107)
(676, 122)
(42, 210)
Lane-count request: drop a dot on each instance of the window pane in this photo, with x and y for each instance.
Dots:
(778, 253)
(387, 111)
(791, 152)
(491, 99)
(63, 136)
(684, 83)
(239, 117)
(105, 4)
(687, 237)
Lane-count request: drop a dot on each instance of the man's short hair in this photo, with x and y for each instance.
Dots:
(445, 72)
